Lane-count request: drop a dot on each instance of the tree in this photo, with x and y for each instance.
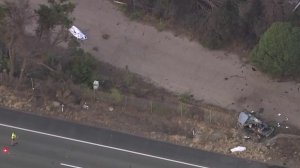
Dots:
(16, 17)
(254, 22)
(54, 20)
(278, 51)
(222, 25)
(23, 50)
(81, 67)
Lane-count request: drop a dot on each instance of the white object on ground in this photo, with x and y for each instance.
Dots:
(278, 124)
(286, 126)
(246, 137)
(238, 149)
(77, 33)
(85, 106)
(111, 109)
(118, 2)
(279, 114)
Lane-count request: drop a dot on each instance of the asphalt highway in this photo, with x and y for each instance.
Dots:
(40, 151)
(49, 143)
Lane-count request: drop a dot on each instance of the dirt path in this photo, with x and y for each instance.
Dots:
(181, 65)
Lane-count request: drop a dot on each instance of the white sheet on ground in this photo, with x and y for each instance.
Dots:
(77, 33)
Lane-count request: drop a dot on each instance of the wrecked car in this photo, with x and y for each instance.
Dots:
(250, 122)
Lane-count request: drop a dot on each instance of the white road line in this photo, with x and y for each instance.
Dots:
(103, 146)
(67, 165)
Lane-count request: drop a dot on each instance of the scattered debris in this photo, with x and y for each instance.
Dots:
(246, 137)
(278, 125)
(279, 114)
(111, 109)
(85, 106)
(238, 149)
(105, 36)
(250, 122)
(95, 48)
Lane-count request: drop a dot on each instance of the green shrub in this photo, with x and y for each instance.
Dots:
(278, 51)
(185, 97)
(254, 23)
(136, 15)
(116, 95)
(4, 60)
(81, 67)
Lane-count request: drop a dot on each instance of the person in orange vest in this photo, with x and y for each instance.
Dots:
(13, 139)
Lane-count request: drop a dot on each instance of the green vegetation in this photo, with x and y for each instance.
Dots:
(136, 15)
(81, 67)
(222, 26)
(2, 12)
(253, 24)
(23, 55)
(54, 15)
(4, 60)
(278, 51)
(116, 95)
(185, 97)
(233, 23)
(215, 23)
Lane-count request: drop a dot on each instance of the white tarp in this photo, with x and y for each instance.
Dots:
(238, 149)
(77, 33)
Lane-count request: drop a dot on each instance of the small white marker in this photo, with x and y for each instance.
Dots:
(279, 114)
(67, 165)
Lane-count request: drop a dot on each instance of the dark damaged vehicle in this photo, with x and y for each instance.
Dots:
(249, 121)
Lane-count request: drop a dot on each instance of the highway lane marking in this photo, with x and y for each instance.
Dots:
(68, 165)
(103, 146)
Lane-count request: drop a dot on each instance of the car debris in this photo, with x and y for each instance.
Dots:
(238, 149)
(85, 106)
(250, 122)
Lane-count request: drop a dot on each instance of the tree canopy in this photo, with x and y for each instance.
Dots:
(55, 14)
(20, 53)
(278, 51)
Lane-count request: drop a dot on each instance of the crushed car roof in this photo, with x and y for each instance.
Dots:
(243, 117)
